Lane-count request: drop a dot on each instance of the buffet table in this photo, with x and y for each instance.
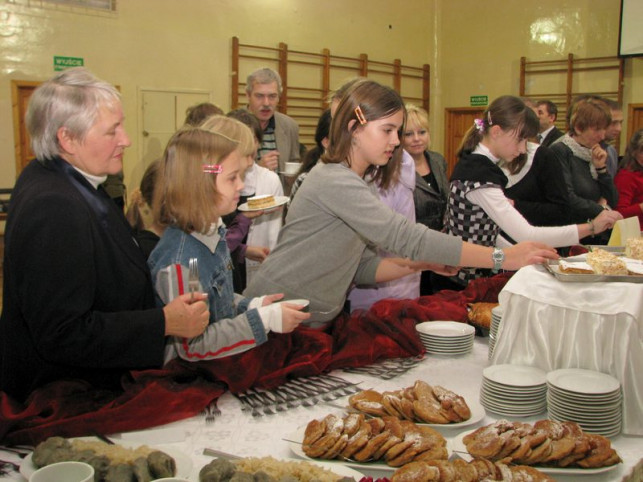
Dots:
(551, 324)
(239, 433)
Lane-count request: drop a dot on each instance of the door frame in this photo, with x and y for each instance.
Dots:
(20, 134)
(632, 110)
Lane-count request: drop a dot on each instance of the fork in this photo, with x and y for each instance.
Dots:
(212, 411)
(193, 277)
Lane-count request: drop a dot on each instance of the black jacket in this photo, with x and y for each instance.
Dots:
(78, 299)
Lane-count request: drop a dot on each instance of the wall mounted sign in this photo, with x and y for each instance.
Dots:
(62, 63)
(477, 100)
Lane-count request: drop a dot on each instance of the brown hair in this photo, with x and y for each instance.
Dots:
(634, 147)
(375, 102)
(186, 196)
(143, 195)
(589, 112)
(507, 112)
(196, 114)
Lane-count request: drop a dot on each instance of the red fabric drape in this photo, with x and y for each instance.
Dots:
(183, 389)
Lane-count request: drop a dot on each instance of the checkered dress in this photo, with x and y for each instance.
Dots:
(470, 222)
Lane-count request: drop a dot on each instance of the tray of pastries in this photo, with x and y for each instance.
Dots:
(600, 265)
(552, 447)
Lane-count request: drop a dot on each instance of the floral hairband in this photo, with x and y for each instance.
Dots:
(212, 168)
(479, 125)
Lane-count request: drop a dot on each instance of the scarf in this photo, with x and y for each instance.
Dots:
(582, 152)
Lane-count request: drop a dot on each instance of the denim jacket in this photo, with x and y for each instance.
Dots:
(235, 324)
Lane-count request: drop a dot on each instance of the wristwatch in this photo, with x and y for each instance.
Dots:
(498, 257)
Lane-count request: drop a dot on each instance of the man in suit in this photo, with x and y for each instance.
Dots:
(280, 142)
(547, 113)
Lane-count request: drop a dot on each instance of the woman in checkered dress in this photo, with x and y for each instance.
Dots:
(478, 210)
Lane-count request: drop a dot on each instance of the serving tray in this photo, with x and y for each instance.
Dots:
(553, 268)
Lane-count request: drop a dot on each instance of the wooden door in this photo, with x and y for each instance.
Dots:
(21, 91)
(634, 120)
(457, 121)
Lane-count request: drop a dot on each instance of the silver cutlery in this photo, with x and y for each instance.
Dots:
(193, 277)
(211, 412)
(219, 454)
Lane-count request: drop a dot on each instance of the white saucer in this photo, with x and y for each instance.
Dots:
(583, 381)
(515, 375)
(445, 329)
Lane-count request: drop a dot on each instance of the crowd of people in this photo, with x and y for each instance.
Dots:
(376, 215)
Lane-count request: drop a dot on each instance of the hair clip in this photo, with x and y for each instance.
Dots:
(489, 118)
(212, 168)
(360, 115)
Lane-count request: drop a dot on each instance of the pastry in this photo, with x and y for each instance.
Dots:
(261, 202)
(546, 443)
(634, 248)
(606, 263)
(480, 314)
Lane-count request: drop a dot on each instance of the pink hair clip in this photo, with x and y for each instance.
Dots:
(212, 168)
(360, 115)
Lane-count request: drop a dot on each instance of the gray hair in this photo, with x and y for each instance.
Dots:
(263, 76)
(70, 99)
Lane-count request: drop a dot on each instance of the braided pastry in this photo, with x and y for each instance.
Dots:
(546, 443)
(461, 471)
(397, 442)
(419, 403)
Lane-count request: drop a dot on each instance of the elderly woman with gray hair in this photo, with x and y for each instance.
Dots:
(78, 298)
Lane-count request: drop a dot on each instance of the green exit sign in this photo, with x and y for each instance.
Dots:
(62, 63)
(479, 100)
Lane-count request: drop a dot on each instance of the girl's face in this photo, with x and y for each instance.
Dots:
(229, 183)
(374, 143)
(416, 139)
(590, 136)
(506, 144)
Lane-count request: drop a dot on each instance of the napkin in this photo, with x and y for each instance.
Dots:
(623, 230)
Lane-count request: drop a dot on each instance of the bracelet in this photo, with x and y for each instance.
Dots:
(602, 170)
(592, 231)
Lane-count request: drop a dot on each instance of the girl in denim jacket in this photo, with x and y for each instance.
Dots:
(198, 182)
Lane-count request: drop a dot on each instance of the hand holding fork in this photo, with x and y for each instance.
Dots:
(185, 316)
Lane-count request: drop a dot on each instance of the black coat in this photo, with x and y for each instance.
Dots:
(78, 299)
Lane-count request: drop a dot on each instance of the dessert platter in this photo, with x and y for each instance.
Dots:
(555, 448)
(263, 203)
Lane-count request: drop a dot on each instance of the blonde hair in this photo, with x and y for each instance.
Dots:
(186, 196)
(417, 115)
(233, 129)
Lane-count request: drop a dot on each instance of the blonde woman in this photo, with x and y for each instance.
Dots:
(431, 182)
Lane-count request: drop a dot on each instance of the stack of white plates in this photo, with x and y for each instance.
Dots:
(446, 337)
(496, 317)
(591, 399)
(514, 390)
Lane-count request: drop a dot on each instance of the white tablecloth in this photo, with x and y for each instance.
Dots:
(553, 324)
(239, 433)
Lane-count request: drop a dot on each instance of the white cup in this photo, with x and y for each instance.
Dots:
(64, 472)
(292, 167)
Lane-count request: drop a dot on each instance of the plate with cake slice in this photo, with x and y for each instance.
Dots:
(597, 265)
(266, 202)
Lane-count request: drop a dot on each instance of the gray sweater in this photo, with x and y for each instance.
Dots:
(328, 242)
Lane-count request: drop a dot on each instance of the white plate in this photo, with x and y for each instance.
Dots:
(445, 329)
(583, 381)
(295, 439)
(183, 462)
(461, 450)
(515, 375)
(279, 201)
